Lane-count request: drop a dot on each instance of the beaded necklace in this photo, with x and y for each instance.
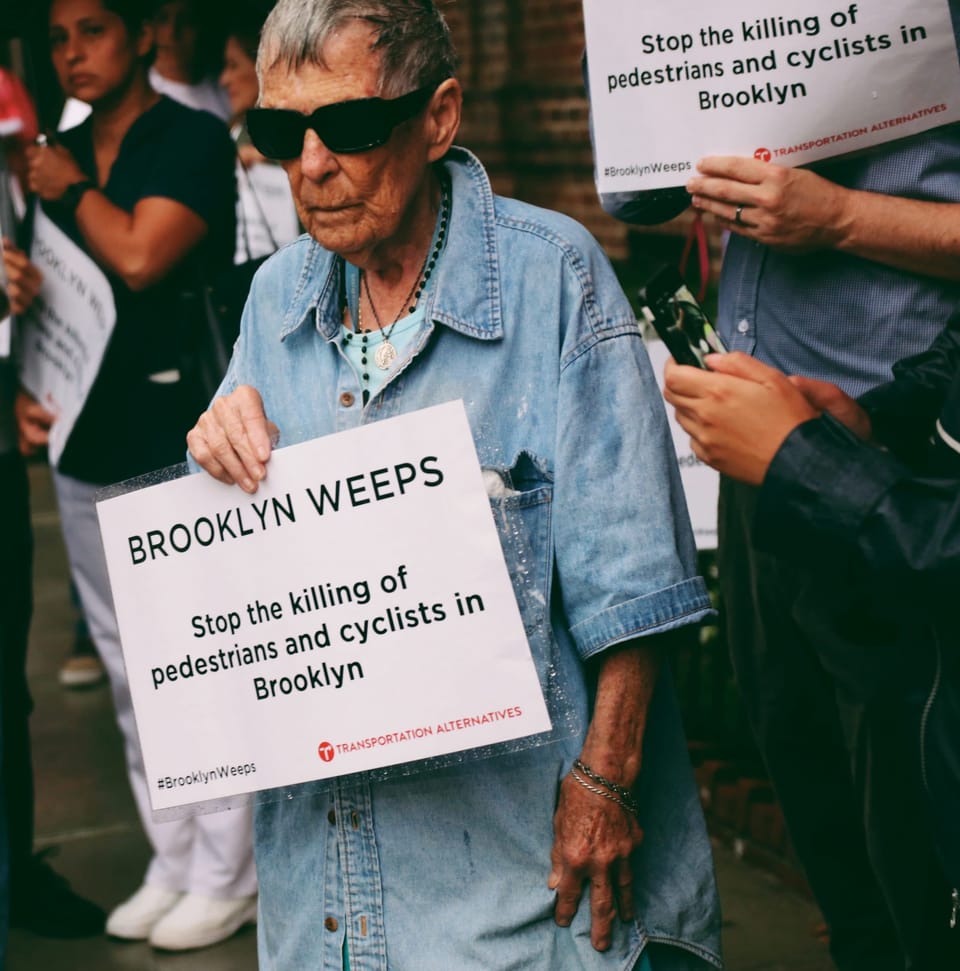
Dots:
(386, 353)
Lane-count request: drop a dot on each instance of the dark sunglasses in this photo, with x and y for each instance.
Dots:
(345, 128)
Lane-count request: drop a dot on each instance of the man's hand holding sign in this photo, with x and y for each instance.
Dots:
(232, 441)
(797, 210)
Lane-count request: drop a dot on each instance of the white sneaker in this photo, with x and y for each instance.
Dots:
(82, 671)
(135, 918)
(198, 921)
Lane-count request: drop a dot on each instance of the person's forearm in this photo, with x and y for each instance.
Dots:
(109, 231)
(626, 678)
(921, 237)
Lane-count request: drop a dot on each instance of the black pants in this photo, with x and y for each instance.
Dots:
(16, 607)
(820, 665)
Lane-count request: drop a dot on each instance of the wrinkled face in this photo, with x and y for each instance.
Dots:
(92, 52)
(239, 77)
(351, 203)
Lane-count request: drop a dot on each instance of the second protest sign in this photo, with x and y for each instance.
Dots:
(787, 81)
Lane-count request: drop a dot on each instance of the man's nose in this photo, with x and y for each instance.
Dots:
(316, 160)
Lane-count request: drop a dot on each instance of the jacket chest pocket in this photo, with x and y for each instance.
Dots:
(521, 501)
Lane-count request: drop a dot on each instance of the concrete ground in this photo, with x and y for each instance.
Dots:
(86, 817)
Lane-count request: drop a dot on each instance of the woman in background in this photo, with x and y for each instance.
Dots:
(189, 55)
(144, 187)
(266, 215)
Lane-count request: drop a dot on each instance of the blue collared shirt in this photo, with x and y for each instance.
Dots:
(836, 316)
(526, 323)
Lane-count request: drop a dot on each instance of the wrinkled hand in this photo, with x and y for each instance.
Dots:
(737, 414)
(50, 169)
(790, 209)
(33, 423)
(23, 278)
(233, 440)
(593, 839)
(825, 396)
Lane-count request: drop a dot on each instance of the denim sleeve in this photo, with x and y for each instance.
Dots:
(625, 555)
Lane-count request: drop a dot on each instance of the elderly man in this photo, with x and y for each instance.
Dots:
(416, 286)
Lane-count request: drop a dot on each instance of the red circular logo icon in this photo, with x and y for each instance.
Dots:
(325, 751)
(763, 154)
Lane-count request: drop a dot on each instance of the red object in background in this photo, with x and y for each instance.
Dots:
(18, 118)
(698, 233)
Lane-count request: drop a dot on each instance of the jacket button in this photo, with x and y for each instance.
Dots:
(332, 818)
(331, 923)
(347, 399)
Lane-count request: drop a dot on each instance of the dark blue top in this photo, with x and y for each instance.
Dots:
(130, 424)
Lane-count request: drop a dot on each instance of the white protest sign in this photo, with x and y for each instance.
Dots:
(266, 215)
(355, 613)
(701, 484)
(788, 81)
(66, 331)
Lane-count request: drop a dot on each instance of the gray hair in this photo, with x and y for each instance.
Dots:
(410, 35)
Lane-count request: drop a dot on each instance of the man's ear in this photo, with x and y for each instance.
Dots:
(443, 118)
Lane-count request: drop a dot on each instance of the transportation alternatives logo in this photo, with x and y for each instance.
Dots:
(325, 751)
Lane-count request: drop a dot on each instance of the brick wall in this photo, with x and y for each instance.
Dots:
(526, 112)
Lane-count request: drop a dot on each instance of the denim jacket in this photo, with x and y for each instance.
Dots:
(526, 323)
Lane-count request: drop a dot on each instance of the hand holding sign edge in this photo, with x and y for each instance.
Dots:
(233, 439)
(787, 208)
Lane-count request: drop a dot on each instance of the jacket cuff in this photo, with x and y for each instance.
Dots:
(824, 480)
(683, 603)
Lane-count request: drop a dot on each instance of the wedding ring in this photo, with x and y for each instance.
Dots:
(41, 140)
(738, 218)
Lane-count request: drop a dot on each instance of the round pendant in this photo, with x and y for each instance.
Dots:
(385, 355)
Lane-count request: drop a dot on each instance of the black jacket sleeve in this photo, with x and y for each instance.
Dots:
(828, 493)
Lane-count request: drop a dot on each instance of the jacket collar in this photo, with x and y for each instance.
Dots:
(465, 295)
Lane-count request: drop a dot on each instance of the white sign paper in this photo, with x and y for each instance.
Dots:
(701, 484)
(355, 613)
(66, 331)
(788, 82)
(266, 215)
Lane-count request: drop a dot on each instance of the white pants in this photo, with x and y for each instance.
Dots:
(208, 854)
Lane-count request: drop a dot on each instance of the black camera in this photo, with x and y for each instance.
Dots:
(678, 319)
